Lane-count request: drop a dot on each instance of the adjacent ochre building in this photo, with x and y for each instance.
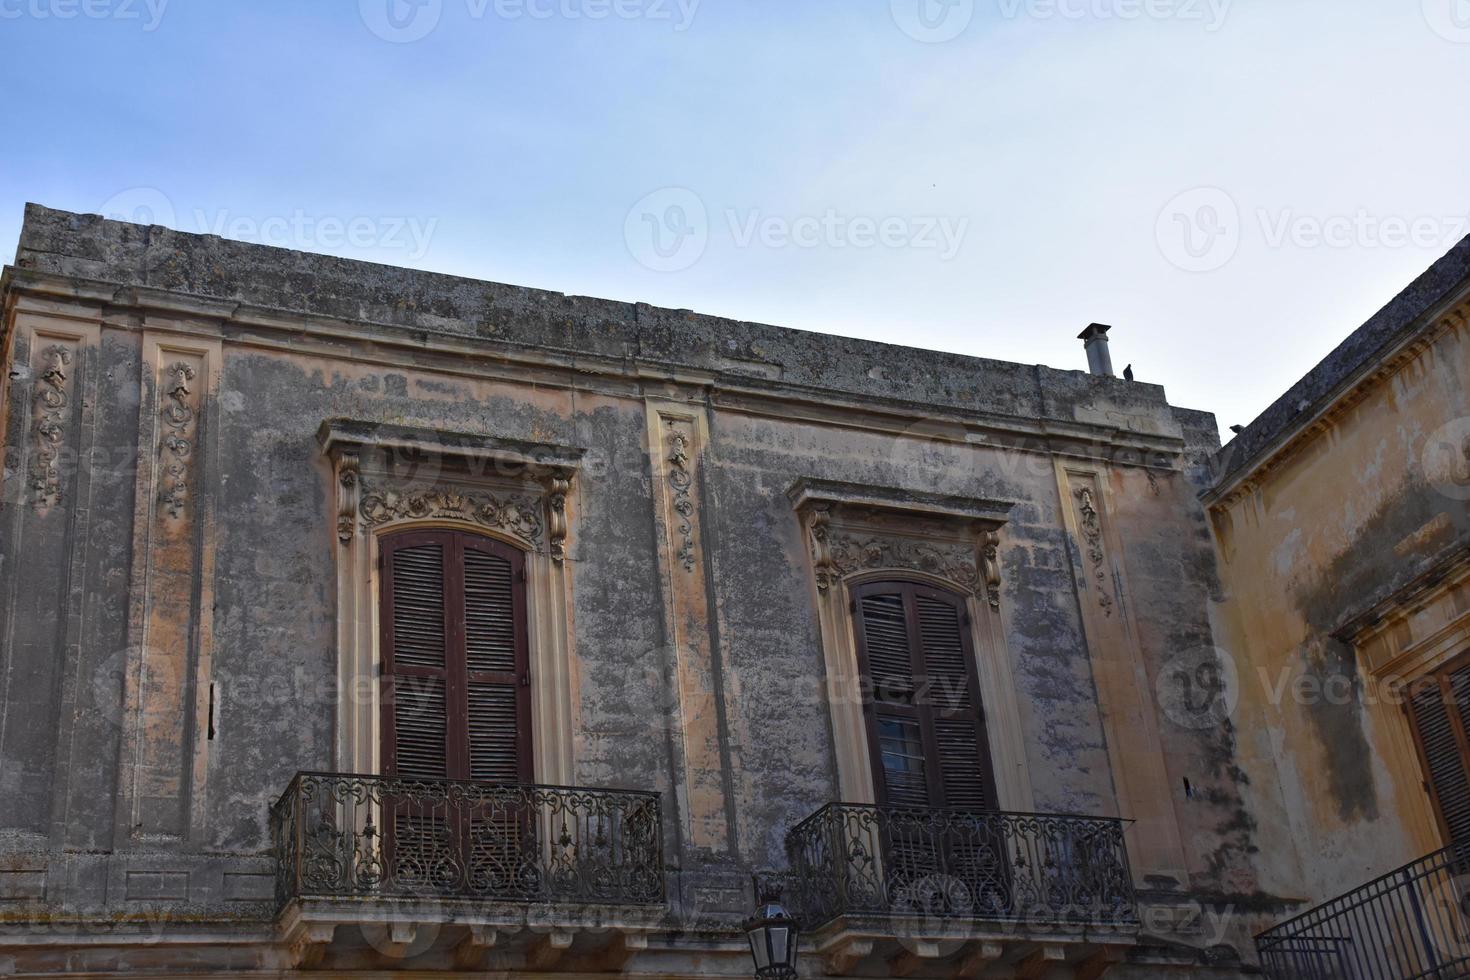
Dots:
(358, 619)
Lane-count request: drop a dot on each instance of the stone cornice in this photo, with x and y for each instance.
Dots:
(1446, 570)
(1247, 475)
(481, 357)
(922, 505)
(856, 528)
(509, 456)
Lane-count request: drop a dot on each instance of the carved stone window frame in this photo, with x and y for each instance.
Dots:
(1416, 630)
(389, 478)
(857, 533)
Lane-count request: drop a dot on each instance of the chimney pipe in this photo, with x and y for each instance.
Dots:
(1095, 339)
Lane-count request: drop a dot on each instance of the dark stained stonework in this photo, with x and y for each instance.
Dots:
(720, 607)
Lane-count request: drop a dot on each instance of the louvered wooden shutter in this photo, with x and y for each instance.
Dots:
(497, 713)
(922, 698)
(1439, 709)
(415, 654)
(455, 658)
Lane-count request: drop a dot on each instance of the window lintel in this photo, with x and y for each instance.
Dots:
(533, 459)
(856, 528)
(388, 474)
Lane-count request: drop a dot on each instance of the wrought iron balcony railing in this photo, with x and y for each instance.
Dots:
(1411, 923)
(1012, 869)
(347, 836)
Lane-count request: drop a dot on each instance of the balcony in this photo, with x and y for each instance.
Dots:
(1411, 923)
(398, 857)
(920, 886)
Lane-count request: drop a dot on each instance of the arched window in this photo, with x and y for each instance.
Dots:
(921, 698)
(456, 666)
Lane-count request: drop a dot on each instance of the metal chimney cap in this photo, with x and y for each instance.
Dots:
(1094, 330)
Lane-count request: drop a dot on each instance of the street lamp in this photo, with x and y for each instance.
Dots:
(772, 932)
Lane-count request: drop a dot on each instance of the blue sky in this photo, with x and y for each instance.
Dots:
(1234, 184)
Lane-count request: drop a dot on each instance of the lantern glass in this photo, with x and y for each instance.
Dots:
(772, 932)
(779, 936)
(758, 949)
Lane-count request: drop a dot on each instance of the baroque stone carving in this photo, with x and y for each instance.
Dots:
(52, 400)
(681, 480)
(990, 548)
(1091, 524)
(822, 563)
(178, 446)
(838, 553)
(349, 472)
(557, 488)
(516, 515)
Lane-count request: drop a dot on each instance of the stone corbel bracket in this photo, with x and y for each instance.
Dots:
(854, 527)
(386, 473)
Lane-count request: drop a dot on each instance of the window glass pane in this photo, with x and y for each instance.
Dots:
(902, 749)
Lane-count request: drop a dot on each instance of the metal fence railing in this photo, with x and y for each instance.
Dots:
(957, 865)
(1409, 924)
(352, 836)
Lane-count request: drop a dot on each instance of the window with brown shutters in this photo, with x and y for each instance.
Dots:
(455, 658)
(926, 725)
(1438, 707)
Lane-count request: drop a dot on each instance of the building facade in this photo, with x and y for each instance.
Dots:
(362, 619)
(1343, 534)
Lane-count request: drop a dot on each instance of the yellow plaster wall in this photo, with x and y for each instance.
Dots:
(1322, 532)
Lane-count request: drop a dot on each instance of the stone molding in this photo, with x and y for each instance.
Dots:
(513, 488)
(164, 760)
(1251, 477)
(857, 532)
(1438, 580)
(855, 528)
(178, 413)
(483, 357)
(517, 515)
(52, 409)
(703, 776)
(1129, 714)
(1415, 630)
(386, 477)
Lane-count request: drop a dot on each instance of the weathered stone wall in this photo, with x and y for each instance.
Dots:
(303, 339)
(1334, 512)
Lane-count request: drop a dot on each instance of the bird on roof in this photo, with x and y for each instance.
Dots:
(1128, 373)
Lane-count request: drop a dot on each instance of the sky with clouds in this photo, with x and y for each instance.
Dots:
(1233, 184)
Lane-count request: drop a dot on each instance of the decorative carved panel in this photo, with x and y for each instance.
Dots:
(1089, 523)
(165, 755)
(518, 515)
(178, 411)
(52, 408)
(680, 482)
(517, 490)
(856, 529)
(678, 440)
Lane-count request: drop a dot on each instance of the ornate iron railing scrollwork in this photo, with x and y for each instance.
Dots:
(342, 836)
(955, 866)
